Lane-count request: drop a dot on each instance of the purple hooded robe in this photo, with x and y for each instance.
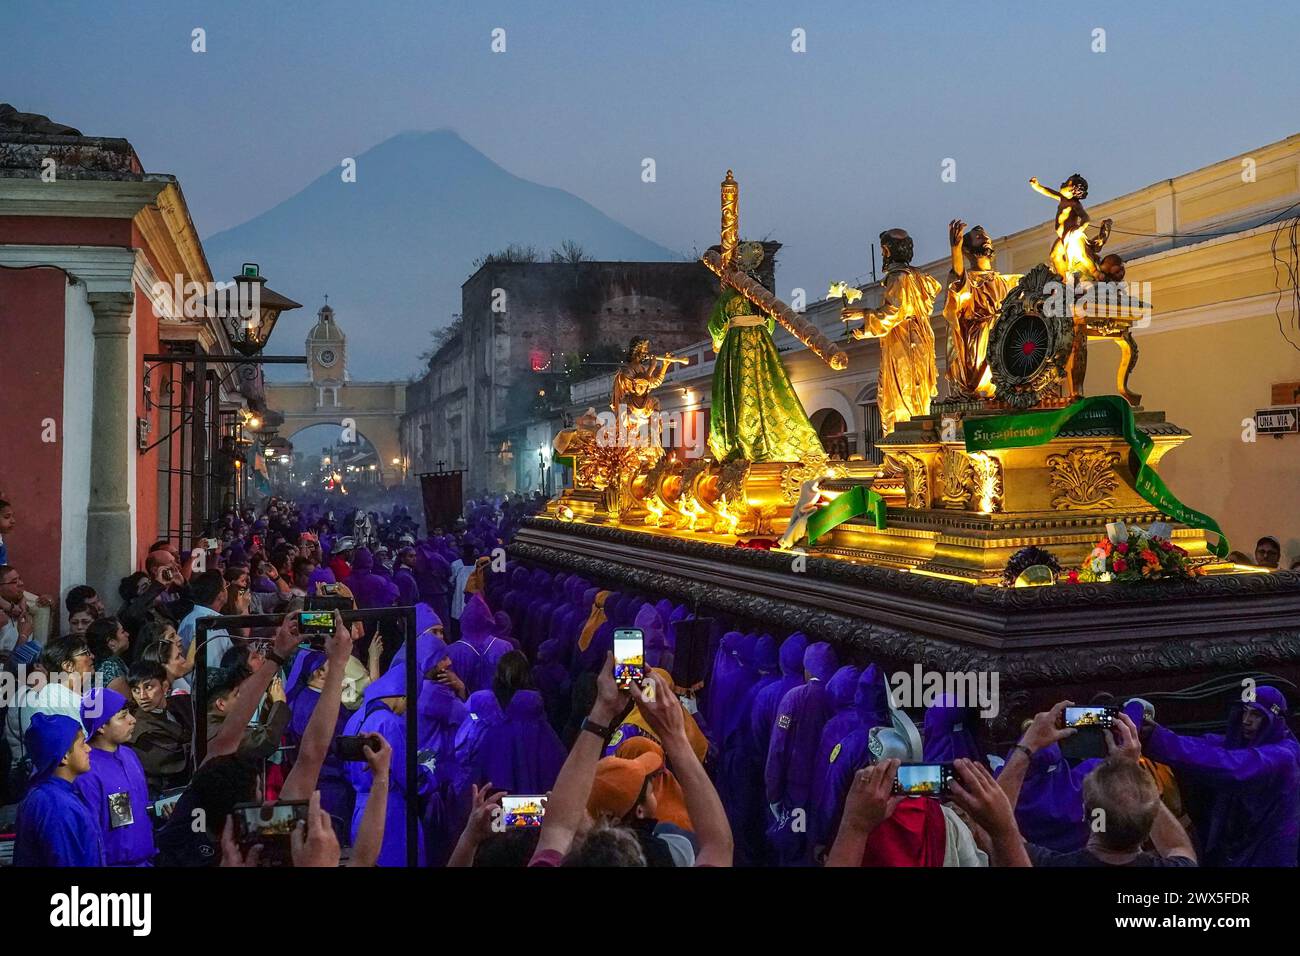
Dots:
(723, 678)
(1049, 810)
(523, 754)
(788, 774)
(483, 712)
(336, 797)
(474, 657)
(949, 733)
(740, 770)
(371, 590)
(375, 716)
(850, 753)
(1251, 812)
(801, 717)
(762, 714)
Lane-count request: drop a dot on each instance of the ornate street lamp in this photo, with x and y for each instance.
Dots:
(249, 333)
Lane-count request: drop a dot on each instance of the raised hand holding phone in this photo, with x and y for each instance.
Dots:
(379, 756)
(611, 699)
(230, 852)
(286, 636)
(1122, 740)
(314, 843)
(661, 708)
(1045, 729)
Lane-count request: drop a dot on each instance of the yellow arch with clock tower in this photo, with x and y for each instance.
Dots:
(330, 397)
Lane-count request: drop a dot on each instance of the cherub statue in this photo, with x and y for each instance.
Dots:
(909, 376)
(973, 301)
(1073, 251)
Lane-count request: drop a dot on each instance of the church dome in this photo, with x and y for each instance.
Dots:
(325, 329)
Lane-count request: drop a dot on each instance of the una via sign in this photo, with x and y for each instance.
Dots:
(1278, 421)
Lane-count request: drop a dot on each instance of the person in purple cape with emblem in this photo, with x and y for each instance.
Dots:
(849, 754)
(762, 714)
(474, 657)
(1250, 776)
(115, 788)
(482, 712)
(845, 717)
(788, 773)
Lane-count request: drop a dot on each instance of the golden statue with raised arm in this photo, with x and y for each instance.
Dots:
(909, 375)
(1073, 251)
(974, 298)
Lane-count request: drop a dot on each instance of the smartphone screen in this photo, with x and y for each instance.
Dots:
(629, 656)
(269, 827)
(522, 811)
(1095, 716)
(923, 779)
(316, 622)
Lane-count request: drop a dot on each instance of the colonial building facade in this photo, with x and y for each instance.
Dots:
(105, 450)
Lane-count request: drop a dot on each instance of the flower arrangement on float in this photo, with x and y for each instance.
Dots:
(1129, 554)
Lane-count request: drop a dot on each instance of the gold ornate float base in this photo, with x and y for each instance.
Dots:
(964, 515)
(950, 513)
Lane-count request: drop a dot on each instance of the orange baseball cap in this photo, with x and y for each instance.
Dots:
(619, 782)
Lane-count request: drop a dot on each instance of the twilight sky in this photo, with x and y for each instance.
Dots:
(830, 146)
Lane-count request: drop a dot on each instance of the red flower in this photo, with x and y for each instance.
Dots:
(1122, 547)
(1165, 545)
(1120, 565)
(1072, 576)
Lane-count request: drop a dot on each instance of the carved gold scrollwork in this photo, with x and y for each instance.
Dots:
(971, 482)
(793, 476)
(916, 479)
(1083, 478)
(987, 472)
(956, 478)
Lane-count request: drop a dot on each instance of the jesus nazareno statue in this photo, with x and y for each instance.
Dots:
(755, 412)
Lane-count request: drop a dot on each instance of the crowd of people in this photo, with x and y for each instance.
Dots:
(530, 752)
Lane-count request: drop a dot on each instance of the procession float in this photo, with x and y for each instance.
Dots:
(1016, 526)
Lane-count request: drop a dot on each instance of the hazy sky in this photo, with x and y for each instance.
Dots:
(830, 146)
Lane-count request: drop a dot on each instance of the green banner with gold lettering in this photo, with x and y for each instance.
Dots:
(1101, 411)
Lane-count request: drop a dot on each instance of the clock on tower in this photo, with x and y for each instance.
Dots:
(326, 349)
